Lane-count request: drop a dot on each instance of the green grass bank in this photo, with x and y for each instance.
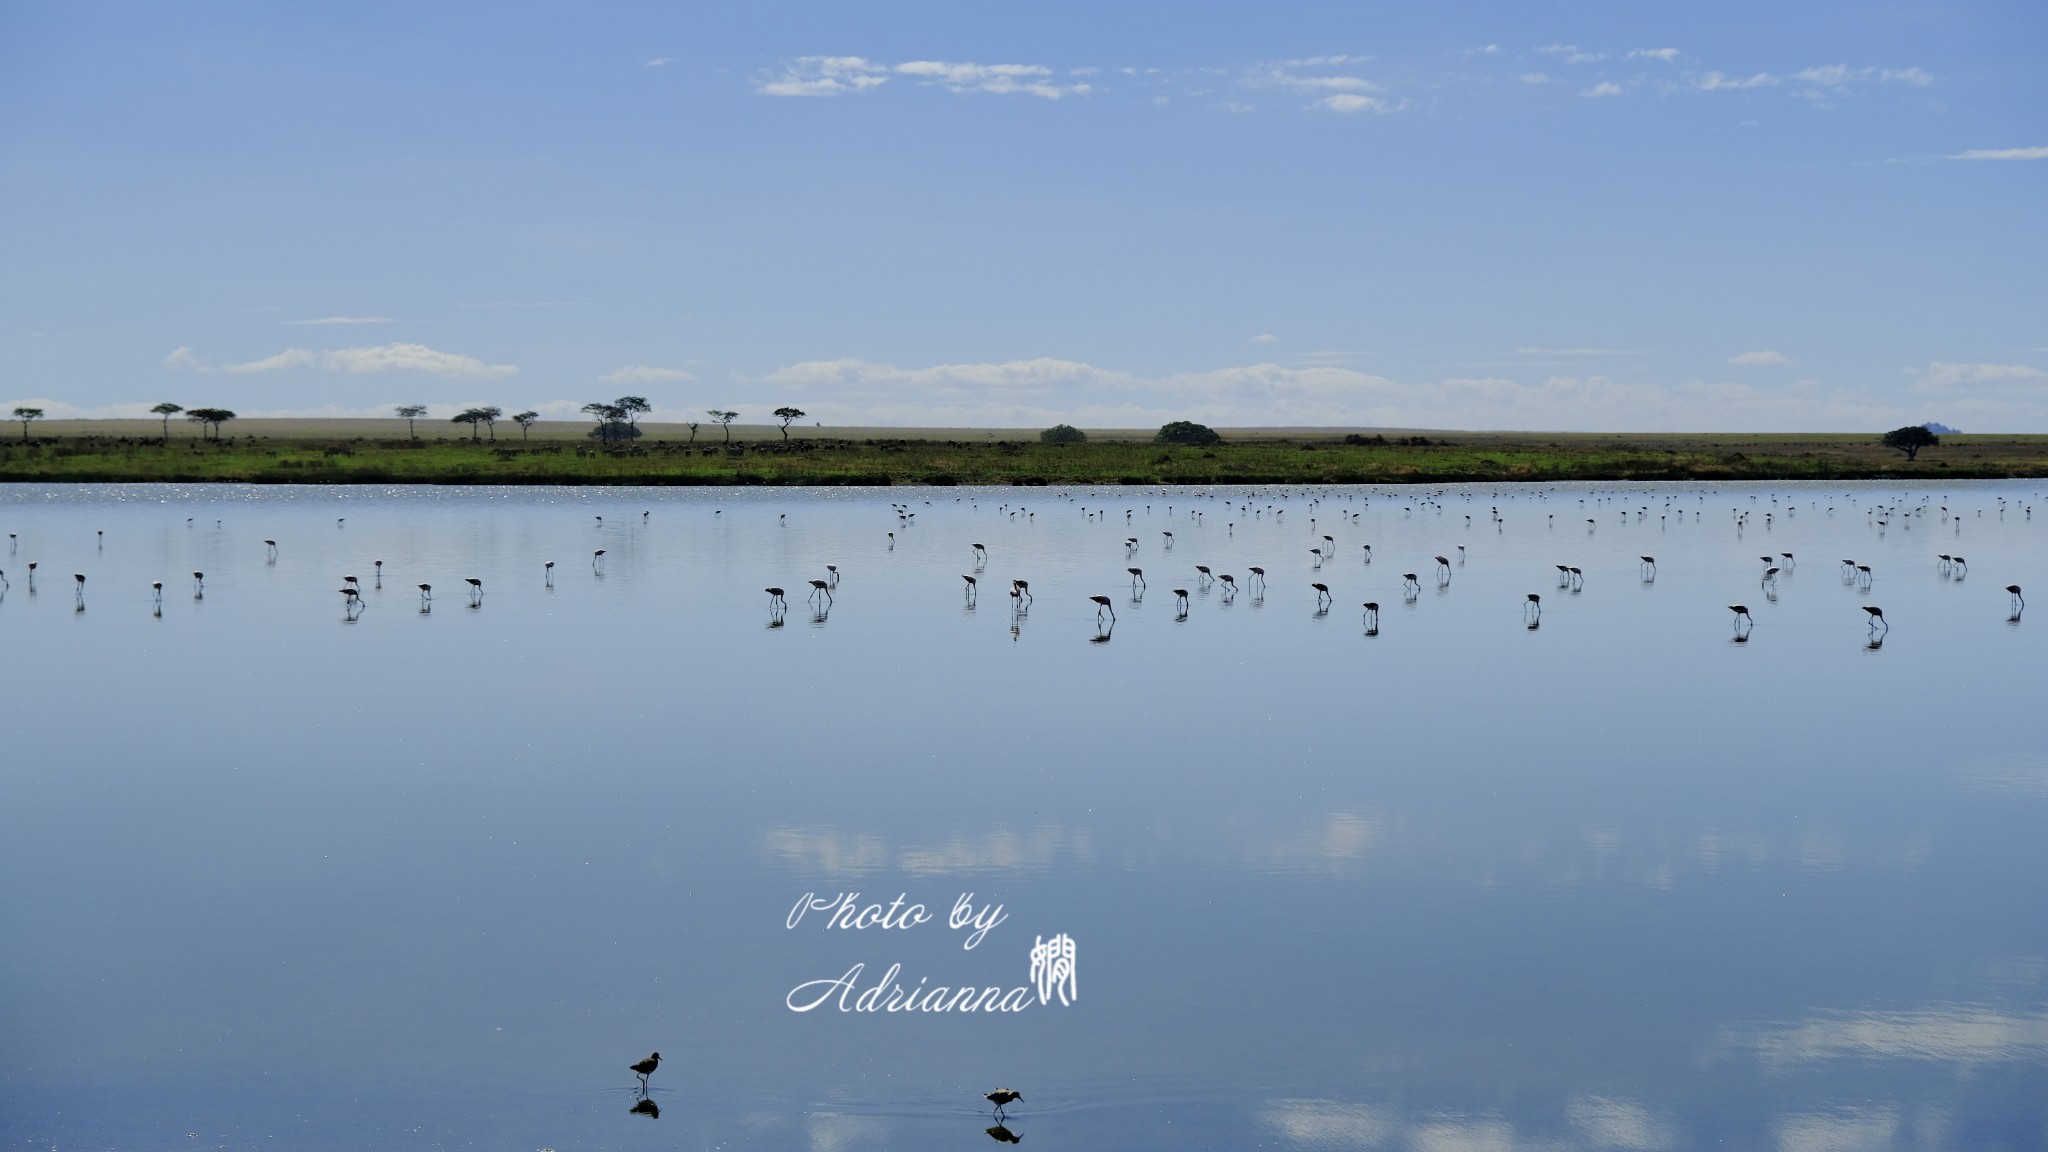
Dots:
(301, 455)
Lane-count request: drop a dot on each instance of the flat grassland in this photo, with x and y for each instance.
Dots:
(379, 452)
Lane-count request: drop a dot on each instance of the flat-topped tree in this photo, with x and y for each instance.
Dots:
(489, 414)
(609, 417)
(723, 419)
(410, 413)
(25, 415)
(471, 417)
(167, 410)
(525, 420)
(633, 407)
(1910, 440)
(209, 418)
(788, 416)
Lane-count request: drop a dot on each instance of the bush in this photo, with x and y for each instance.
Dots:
(1063, 434)
(1187, 432)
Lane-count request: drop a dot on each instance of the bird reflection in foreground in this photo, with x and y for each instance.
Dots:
(645, 1107)
(1004, 1134)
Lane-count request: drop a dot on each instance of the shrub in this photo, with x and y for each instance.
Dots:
(1187, 432)
(1063, 434)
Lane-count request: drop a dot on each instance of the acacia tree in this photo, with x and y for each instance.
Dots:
(167, 410)
(525, 421)
(410, 413)
(724, 419)
(788, 416)
(25, 415)
(1910, 440)
(471, 417)
(608, 417)
(489, 415)
(633, 407)
(693, 431)
(209, 418)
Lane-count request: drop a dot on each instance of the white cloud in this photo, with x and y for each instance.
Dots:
(183, 359)
(1717, 82)
(1604, 88)
(1749, 359)
(824, 76)
(1963, 1035)
(344, 320)
(1352, 102)
(996, 79)
(640, 374)
(410, 358)
(1854, 1130)
(1842, 76)
(1570, 54)
(2002, 154)
(1534, 78)
(1265, 338)
(1485, 50)
(659, 62)
(1939, 376)
(287, 359)
(1667, 55)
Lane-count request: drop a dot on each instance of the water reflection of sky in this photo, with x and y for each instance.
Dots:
(270, 875)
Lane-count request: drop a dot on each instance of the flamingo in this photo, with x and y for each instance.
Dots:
(1258, 573)
(1322, 592)
(972, 587)
(1408, 578)
(775, 598)
(1649, 562)
(476, 588)
(1202, 571)
(820, 588)
(158, 589)
(980, 553)
(2018, 600)
(832, 573)
(1535, 602)
(1877, 617)
(1741, 613)
(426, 592)
(1023, 586)
(1102, 605)
(1137, 577)
(1372, 615)
(1180, 600)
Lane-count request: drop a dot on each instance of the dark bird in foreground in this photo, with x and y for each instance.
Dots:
(1001, 1097)
(645, 1068)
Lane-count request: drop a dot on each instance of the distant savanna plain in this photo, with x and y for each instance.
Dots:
(364, 451)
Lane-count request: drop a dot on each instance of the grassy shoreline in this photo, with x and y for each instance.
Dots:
(300, 454)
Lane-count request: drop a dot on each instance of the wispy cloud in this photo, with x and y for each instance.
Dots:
(1534, 78)
(659, 62)
(1751, 359)
(994, 79)
(283, 361)
(378, 358)
(411, 358)
(1939, 376)
(1667, 55)
(640, 374)
(344, 320)
(1580, 352)
(2002, 154)
(1353, 102)
(1720, 82)
(1604, 88)
(1842, 76)
(1570, 53)
(824, 76)
(1265, 338)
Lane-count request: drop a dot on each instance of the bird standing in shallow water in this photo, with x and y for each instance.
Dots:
(1001, 1097)
(645, 1068)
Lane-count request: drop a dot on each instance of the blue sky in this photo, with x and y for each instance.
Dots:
(1730, 216)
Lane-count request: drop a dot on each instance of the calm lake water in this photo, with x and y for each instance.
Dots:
(276, 873)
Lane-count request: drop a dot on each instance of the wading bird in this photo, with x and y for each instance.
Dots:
(426, 592)
(1137, 577)
(645, 1068)
(1322, 593)
(820, 588)
(2018, 601)
(1001, 1097)
(775, 599)
(1648, 567)
(1022, 586)
(1102, 605)
(972, 587)
(1877, 617)
(1372, 615)
(1180, 600)
(476, 589)
(1533, 606)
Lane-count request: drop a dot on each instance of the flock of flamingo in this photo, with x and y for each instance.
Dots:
(1323, 550)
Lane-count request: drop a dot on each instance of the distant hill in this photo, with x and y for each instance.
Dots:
(1942, 429)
